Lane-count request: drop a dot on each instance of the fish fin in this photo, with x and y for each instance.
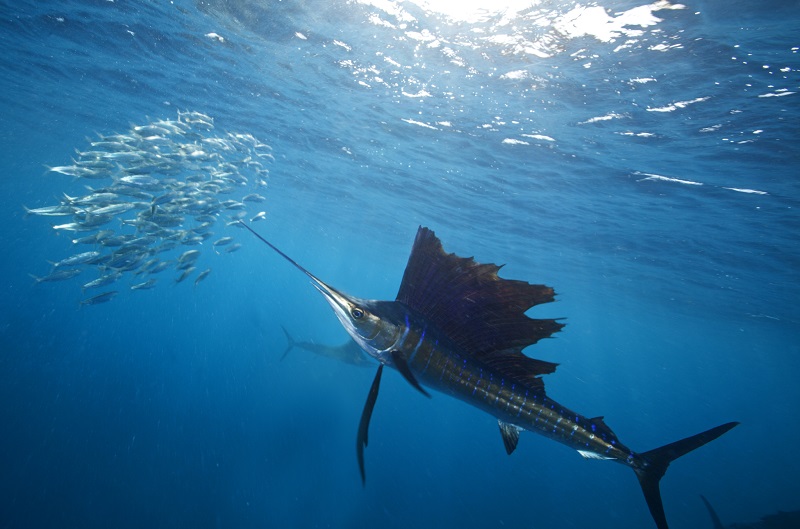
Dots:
(510, 433)
(289, 339)
(36, 279)
(402, 366)
(588, 454)
(656, 462)
(480, 311)
(716, 522)
(363, 425)
(599, 426)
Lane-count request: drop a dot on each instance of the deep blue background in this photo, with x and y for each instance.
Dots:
(170, 407)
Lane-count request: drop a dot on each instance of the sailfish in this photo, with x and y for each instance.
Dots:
(458, 328)
(349, 352)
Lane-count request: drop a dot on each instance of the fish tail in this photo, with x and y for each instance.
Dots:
(291, 341)
(37, 279)
(653, 465)
(714, 518)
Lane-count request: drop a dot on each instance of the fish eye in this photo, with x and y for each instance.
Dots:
(356, 313)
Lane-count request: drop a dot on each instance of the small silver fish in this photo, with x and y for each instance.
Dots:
(113, 209)
(73, 226)
(254, 197)
(192, 241)
(77, 171)
(58, 275)
(160, 267)
(92, 199)
(50, 211)
(150, 283)
(186, 273)
(94, 238)
(189, 256)
(202, 275)
(232, 204)
(80, 258)
(223, 241)
(100, 298)
(102, 281)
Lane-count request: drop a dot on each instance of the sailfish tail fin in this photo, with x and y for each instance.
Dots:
(655, 463)
(291, 343)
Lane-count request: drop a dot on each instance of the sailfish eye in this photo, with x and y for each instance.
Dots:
(356, 313)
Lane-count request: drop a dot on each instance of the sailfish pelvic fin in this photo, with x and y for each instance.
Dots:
(363, 425)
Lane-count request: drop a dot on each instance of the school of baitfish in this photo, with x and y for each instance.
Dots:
(157, 193)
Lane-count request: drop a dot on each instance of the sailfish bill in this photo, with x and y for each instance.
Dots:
(458, 328)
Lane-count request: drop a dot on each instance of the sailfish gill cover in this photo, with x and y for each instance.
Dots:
(638, 157)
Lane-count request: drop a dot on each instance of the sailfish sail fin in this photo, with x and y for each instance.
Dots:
(481, 312)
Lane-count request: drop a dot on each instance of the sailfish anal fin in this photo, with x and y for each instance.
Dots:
(510, 433)
(481, 312)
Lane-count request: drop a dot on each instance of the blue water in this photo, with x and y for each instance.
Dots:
(643, 162)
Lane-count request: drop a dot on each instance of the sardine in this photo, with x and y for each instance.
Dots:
(77, 259)
(100, 298)
(202, 275)
(57, 275)
(186, 273)
(102, 280)
(51, 211)
(150, 283)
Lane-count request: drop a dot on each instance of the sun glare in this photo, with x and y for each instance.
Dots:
(471, 10)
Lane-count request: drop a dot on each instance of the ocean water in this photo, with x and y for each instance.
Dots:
(641, 158)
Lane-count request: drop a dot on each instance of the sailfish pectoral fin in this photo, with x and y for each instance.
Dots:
(402, 366)
(363, 425)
